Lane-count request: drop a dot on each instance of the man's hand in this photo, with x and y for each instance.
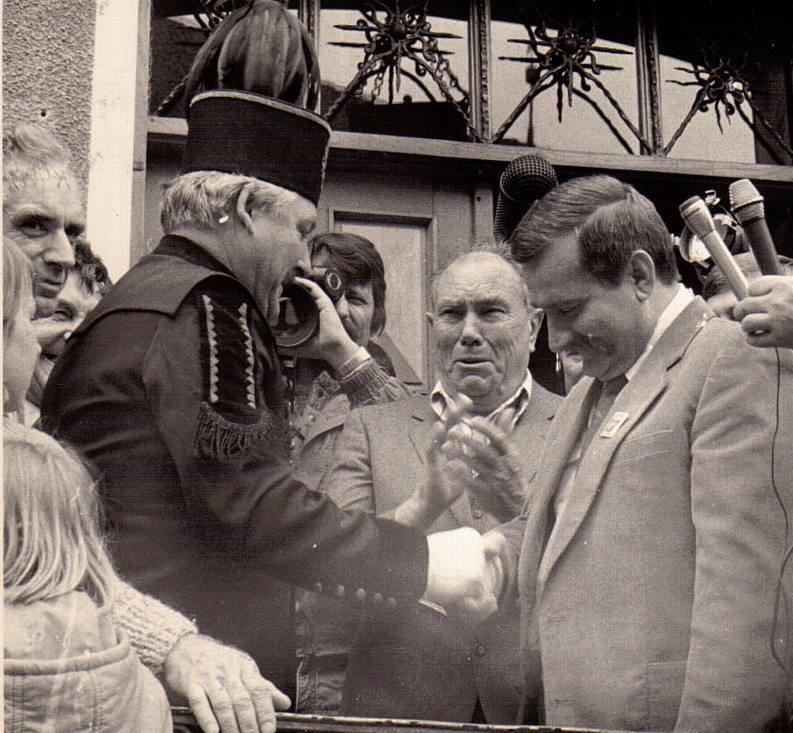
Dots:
(442, 487)
(462, 573)
(491, 467)
(331, 343)
(222, 686)
(767, 314)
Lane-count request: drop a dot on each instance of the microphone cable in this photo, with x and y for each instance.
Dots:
(781, 600)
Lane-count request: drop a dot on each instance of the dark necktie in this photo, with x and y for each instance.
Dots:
(601, 407)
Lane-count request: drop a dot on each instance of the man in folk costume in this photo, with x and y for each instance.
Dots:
(172, 388)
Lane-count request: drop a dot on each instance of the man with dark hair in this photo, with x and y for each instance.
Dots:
(653, 537)
(321, 407)
(320, 403)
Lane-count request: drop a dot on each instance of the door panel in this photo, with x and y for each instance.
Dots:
(418, 226)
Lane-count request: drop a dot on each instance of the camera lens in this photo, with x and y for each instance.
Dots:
(333, 280)
(298, 317)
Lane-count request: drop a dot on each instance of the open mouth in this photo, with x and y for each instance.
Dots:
(470, 361)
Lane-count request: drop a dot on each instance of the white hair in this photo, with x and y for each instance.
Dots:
(202, 198)
(31, 151)
(489, 252)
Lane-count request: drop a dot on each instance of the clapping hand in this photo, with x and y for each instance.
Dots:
(442, 487)
(483, 460)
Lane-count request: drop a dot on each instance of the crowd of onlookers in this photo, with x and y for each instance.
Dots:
(611, 581)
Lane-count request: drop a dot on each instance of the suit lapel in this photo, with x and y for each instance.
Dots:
(419, 432)
(632, 402)
(532, 428)
(558, 446)
(333, 415)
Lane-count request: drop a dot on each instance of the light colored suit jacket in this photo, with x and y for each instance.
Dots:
(651, 607)
(415, 662)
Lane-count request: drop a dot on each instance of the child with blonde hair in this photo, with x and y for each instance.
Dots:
(66, 666)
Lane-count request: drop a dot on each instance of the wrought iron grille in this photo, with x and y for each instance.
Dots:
(723, 85)
(397, 41)
(565, 61)
(400, 42)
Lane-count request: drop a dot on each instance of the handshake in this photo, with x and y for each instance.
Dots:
(465, 572)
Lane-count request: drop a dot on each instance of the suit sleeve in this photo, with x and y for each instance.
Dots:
(348, 481)
(732, 682)
(202, 375)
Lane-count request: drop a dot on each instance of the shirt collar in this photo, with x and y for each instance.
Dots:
(439, 399)
(675, 307)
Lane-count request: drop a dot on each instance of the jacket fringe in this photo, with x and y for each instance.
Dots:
(219, 438)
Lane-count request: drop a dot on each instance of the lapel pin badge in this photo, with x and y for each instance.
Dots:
(614, 424)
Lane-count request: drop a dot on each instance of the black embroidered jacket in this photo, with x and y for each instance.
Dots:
(172, 390)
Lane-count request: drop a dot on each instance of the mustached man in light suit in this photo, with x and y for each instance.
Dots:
(417, 662)
(648, 568)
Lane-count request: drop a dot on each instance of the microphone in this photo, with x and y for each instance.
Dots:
(697, 217)
(524, 180)
(747, 205)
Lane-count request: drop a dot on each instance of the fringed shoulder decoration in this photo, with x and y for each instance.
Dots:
(233, 418)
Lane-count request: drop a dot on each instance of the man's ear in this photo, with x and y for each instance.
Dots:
(641, 271)
(535, 322)
(243, 212)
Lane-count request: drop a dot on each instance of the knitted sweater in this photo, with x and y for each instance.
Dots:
(152, 627)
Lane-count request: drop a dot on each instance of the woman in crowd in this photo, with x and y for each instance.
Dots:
(66, 665)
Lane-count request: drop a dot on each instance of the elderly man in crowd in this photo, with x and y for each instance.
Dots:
(649, 564)
(172, 388)
(415, 661)
(42, 213)
(42, 209)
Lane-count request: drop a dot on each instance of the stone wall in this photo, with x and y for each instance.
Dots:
(48, 52)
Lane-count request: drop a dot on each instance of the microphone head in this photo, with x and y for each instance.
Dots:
(524, 180)
(746, 202)
(697, 216)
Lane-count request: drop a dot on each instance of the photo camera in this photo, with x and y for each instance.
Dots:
(298, 319)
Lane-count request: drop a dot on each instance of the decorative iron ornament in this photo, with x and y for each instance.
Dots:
(395, 39)
(561, 60)
(723, 85)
